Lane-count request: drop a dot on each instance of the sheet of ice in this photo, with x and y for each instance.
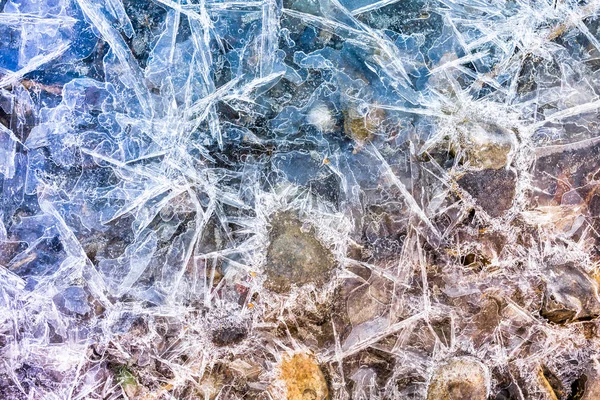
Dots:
(192, 193)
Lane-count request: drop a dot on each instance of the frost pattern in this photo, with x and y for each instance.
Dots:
(201, 198)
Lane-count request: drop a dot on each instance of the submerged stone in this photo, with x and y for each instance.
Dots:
(550, 385)
(229, 335)
(142, 143)
(570, 295)
(587, 386)
(493, 190)
(361, 128)
(487, 147)
(459, 379)
(301, 378)
(295, 256)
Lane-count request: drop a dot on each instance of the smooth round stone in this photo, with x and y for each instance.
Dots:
(570, 295)
(459, 379)
(301, 378)
(295, 256)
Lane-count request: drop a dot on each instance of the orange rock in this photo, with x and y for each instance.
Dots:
(301, 378)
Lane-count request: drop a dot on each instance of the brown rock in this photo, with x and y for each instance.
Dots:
(301, 378)
(570, 295)
(560, 168)
(550, 386)
(486, 146)
(493, 190)
(588, 387)
(459, 379)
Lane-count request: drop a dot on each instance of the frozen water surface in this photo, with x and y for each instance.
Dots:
(299, 199)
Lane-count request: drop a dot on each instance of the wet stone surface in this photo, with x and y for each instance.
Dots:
(301, 378)
(459, 379)
(299, 199)
(229, 334)
(295, 256)
(487, 146)
(587, 386)
(493, 190)
(570, 295)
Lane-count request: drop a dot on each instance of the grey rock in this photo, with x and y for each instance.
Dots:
(295, 257)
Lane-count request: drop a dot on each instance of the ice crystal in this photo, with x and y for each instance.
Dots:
(345, 199)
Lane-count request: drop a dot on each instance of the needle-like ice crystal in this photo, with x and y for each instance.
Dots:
(299, 199)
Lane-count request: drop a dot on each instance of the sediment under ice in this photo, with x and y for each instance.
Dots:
(299, 199)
